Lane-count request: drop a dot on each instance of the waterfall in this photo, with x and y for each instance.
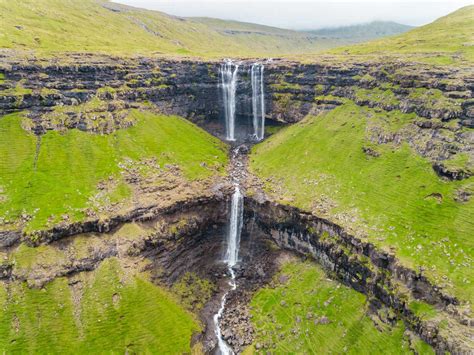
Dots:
(235, 228)
(258, 100)
(231, 258)
(228, 73)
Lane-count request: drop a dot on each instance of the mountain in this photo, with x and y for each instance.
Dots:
(362, 32)
(448, 39)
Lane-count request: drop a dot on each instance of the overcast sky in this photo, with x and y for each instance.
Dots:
(307, 14)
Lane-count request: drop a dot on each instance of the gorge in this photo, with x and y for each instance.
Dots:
(311, 203)
(293, 90)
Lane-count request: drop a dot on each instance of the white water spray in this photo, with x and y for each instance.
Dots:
(258, 100)
(228, 73)
(231, 259)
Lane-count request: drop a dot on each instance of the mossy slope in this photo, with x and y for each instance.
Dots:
(287, 318)
(392, 197)
(58, 174)
(105, 311)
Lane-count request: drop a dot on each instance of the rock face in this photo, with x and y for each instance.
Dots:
(163, 236)
(178, 87)
(190, 88)
(94, 93)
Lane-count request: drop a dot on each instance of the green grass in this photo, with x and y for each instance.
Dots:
(283, 85)
(376, 95)
(18, 90)
(54, 26)
(422, 309)
(434, 99)
(284, 316)
(48, 26)
(192, 291)
(112, 314)
(448, 40)
(394, 200)
(69, 166)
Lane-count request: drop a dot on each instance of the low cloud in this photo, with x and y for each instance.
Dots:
(306, 14)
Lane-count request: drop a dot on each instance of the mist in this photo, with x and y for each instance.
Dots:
(302, 14)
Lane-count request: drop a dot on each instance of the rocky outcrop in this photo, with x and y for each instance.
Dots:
(190, 87)
(163, 238)
(140, 214)
(181, 87)
(452, 174)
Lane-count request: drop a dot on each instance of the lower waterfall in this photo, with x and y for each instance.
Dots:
(231, 259)
(258, 100)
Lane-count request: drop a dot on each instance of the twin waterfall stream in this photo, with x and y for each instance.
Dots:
(229, 78)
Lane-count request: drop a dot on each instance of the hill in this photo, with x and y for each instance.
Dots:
(102, 26)
(446, 40)
(362, 32)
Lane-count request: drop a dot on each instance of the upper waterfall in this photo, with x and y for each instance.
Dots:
(228, 73)
(258, 100)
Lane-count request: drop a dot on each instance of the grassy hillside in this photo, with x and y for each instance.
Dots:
(287, 318)
(277, 41)
(60, 173)
(101, 26)
(446, 40)
(107, 310)
(47, 26)
(363, 32)
(393, 199)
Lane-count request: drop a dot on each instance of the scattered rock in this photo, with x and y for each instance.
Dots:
(324, 320)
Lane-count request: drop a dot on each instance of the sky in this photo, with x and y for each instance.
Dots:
(307, 14)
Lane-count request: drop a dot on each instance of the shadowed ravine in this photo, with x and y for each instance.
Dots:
(229, 72)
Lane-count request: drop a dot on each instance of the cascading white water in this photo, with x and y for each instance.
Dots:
(235, 228)
(258, 100)
(228, 73)
(231, 259)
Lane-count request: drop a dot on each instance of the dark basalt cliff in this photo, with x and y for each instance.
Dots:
(94, 93)
(190, 88)
(104, 88)
(164, 236)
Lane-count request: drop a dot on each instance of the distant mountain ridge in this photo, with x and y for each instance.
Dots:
(448, 40)
(363, 32)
